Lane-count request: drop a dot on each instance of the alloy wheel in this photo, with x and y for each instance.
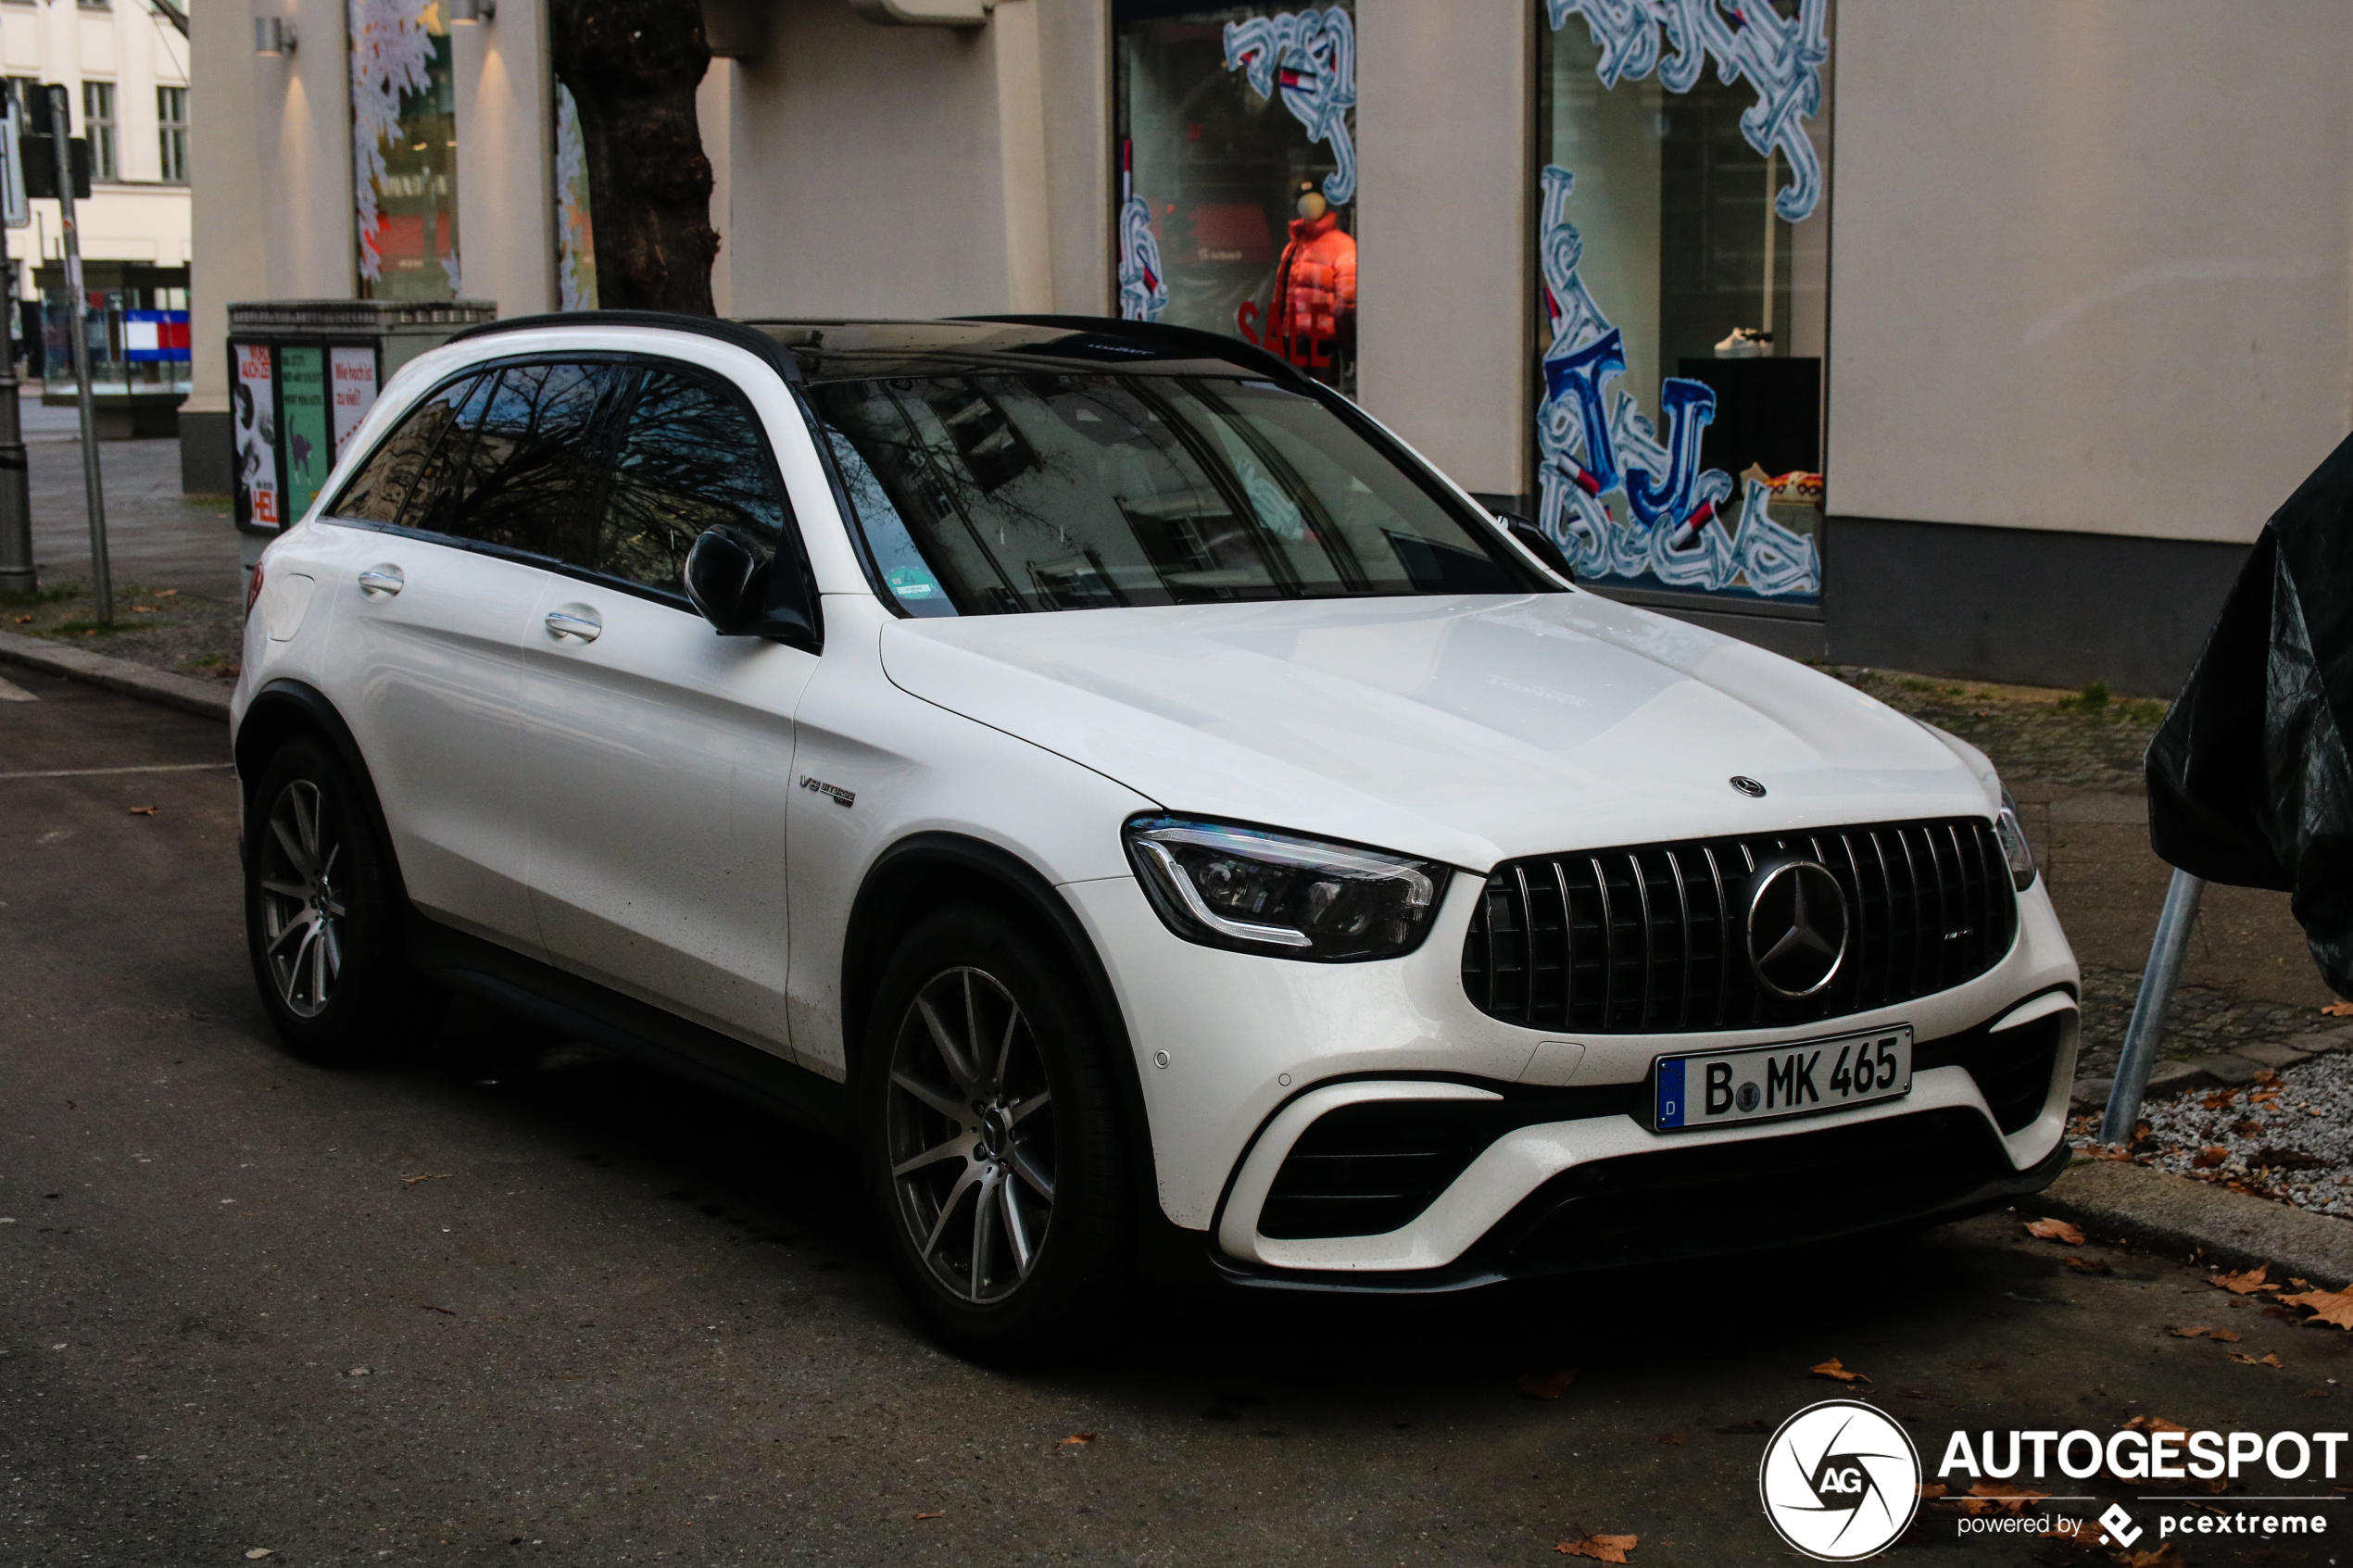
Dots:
(972, 1158)
(303, 915)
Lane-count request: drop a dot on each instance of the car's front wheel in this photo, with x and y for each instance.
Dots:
(991, 1139)
(322, 920)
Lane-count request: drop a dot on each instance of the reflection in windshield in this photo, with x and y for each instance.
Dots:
(998, 494)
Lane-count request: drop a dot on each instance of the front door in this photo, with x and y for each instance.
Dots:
(659, 753)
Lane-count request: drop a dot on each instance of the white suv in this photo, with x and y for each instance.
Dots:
(1149, 812)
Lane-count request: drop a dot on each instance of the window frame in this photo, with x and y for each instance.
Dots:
(172, 134)
(605, 431)
(102, 132)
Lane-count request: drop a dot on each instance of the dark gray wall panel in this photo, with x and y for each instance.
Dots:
(2023, 604)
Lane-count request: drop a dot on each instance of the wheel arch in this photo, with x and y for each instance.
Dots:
(287, 710)
(930, 871)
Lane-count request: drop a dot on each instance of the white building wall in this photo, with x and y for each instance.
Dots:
(2090, 261)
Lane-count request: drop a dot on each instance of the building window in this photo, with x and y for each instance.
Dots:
(404, 149)
(1237, 175)
(171, 132)
(97, 124)
(1683, 273)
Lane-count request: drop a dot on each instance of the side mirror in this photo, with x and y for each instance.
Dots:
(1539, 543)
(728, 581)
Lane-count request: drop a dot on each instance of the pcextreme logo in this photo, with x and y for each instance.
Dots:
(1840, 1481)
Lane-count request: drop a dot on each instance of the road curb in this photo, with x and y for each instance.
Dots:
(205, 699)
(2185, 1218)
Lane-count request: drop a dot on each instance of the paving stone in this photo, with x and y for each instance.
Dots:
(2323, 1040)
(2090, 1093)
(2273, 1054)
(2174, 1077)
(2229, 1068)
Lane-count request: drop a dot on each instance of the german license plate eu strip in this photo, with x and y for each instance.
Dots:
(1773, 1083)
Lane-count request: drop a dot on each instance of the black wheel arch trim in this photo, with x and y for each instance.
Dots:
(870, 934)
(283, 709)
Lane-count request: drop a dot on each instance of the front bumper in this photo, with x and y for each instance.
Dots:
(1240, 1055)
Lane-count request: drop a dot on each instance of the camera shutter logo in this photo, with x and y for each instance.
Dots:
(1840, 1481)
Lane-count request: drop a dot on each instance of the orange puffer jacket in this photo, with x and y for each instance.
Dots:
(1315, 286)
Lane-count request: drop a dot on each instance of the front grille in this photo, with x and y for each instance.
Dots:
(1756, 1193)
(1651, 939)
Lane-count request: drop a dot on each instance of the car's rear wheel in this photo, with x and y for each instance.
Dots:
(991, 1140)
(322, 917)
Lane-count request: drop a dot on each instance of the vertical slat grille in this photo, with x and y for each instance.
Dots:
(1652, 939)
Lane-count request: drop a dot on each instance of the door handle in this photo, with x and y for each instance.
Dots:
(575, 620)
(382, 582)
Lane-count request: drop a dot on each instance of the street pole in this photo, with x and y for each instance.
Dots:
(18, 575)
(101, 577)
(2147, 1027)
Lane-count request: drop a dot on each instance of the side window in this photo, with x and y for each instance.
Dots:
(382, 489)
(529, 475)
(690, 457)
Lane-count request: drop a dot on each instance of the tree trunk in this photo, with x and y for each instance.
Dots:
(632, 67)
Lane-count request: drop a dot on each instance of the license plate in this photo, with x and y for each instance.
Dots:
(1770, 1083)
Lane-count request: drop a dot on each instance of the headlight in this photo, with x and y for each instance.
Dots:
(1281, 896)
(2015, 849)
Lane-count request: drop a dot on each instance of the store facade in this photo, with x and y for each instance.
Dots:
(1599, 260)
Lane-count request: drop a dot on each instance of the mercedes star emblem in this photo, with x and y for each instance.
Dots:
(1796, 928)
(1748, 786)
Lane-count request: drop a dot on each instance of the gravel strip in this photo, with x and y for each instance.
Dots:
(2288, 1137)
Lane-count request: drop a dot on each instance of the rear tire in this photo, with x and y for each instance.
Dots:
(990, 1137)
(322, 918)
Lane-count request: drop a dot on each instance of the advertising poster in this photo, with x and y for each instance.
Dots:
(255, 434)
(302, 402)
(351, 391)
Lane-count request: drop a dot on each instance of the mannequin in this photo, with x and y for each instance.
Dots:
(1315, 306)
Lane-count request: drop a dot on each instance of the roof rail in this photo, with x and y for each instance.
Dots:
(719, 327)
(1207, 344)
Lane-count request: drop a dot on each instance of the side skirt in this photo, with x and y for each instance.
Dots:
(594, 1012)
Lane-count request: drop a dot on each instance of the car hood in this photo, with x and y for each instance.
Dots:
(1467, 729)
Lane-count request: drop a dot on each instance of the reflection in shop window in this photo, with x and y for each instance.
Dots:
(1683, 269)
(404, 146)
(1238, 175)
(575, 227)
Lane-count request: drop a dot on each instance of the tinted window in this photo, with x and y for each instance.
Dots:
(382, 489)
(690, 457)
(527, 479)
(996, 493)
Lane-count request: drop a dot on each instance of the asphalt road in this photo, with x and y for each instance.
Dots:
(509, 1303)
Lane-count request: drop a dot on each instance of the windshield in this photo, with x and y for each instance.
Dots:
(995, 493)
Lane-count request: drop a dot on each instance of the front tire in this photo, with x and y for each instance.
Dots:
(322, 918)
(991, 1140)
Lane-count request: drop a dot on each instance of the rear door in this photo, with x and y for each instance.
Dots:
(659, 753)
(426, 667)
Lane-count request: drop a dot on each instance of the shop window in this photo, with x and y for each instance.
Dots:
(97, 124)
(575, 227)
(404, 149)
(1237, 175)
(172, 134)
(1682, 267)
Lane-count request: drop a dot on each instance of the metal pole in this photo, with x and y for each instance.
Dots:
(93, 483)
(2147, 1027)
(18, 575)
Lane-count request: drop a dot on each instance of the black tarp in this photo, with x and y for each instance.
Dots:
(2248, 780)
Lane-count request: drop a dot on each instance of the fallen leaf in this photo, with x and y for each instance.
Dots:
(2056, 1230)
(428, 1176)
(1930, 1490)
(2086, 1264)
(2207, 1159)
(142, 811)
(1601, 1548)
(2163, 1557)
(2245, 1284)
(1547, 1385)
(931, 1516)
(1077, 1440)
(2221, 1100)
(142, 610)
(2153, 1424)
(1672, 1439)
(2270, 1358)
(24, 619)
(428, 1307)
(356, 1371)
(1996, 1494)
(2267, 1076)
(2316, 1393)
(257, 1553)
(162, 593)
(1978, 1366)
(2328, 1306)
(2337, 1010)
(2204, 1330)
